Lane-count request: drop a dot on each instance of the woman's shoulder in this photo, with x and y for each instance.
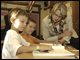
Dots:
(45, 21)
(46, 18)
(68, 18)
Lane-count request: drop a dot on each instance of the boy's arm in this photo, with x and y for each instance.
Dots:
(23, 49)
(44, 41)
(32, 47)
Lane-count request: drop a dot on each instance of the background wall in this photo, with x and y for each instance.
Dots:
(43, 11)
(3, 13)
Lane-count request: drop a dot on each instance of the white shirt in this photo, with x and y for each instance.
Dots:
(57, 28)
(12, 42)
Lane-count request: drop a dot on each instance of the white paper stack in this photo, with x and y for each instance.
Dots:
(57, 51)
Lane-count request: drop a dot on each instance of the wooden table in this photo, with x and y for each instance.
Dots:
(30, 56)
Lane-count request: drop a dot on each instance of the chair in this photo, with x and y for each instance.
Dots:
(37, 36)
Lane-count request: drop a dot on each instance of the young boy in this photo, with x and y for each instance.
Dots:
(14, 44)
(26, 34)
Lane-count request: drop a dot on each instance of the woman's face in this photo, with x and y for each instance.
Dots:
(56, 17)
(30, 27)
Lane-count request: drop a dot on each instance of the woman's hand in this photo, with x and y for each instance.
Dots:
(59, 42)
(56, 43)
(67, 33)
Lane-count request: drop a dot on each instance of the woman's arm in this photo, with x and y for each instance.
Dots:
(65, 33)
(46, 33)
(60, 41)
(66, 36)
(68, 33)
(50, 38)
(60, 36)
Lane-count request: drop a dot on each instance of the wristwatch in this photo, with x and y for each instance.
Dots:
(37, 48)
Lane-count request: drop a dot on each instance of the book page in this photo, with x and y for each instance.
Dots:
(60, 51)
(58, 47)
(57, 51)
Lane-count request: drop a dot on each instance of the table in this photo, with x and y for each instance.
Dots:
(30, 56)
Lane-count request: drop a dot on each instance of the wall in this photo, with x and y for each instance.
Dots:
(7, 5)
(42, 14)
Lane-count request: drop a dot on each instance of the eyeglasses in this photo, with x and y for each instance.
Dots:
(57, 16)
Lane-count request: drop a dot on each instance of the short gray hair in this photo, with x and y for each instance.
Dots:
(62, 8)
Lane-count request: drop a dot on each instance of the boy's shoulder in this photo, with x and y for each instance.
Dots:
(12, 32)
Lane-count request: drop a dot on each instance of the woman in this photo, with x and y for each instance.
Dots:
(57, 26)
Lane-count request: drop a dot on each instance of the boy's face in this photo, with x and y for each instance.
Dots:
(20, 22)
(30, 27)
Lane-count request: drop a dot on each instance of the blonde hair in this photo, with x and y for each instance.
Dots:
(15, 13)
(62, 8)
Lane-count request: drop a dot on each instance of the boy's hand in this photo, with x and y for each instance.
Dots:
(45, 47)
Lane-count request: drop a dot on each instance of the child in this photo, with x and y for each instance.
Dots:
(14, 44)
(26, 34)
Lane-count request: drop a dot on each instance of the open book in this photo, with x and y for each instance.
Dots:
(57, 51)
